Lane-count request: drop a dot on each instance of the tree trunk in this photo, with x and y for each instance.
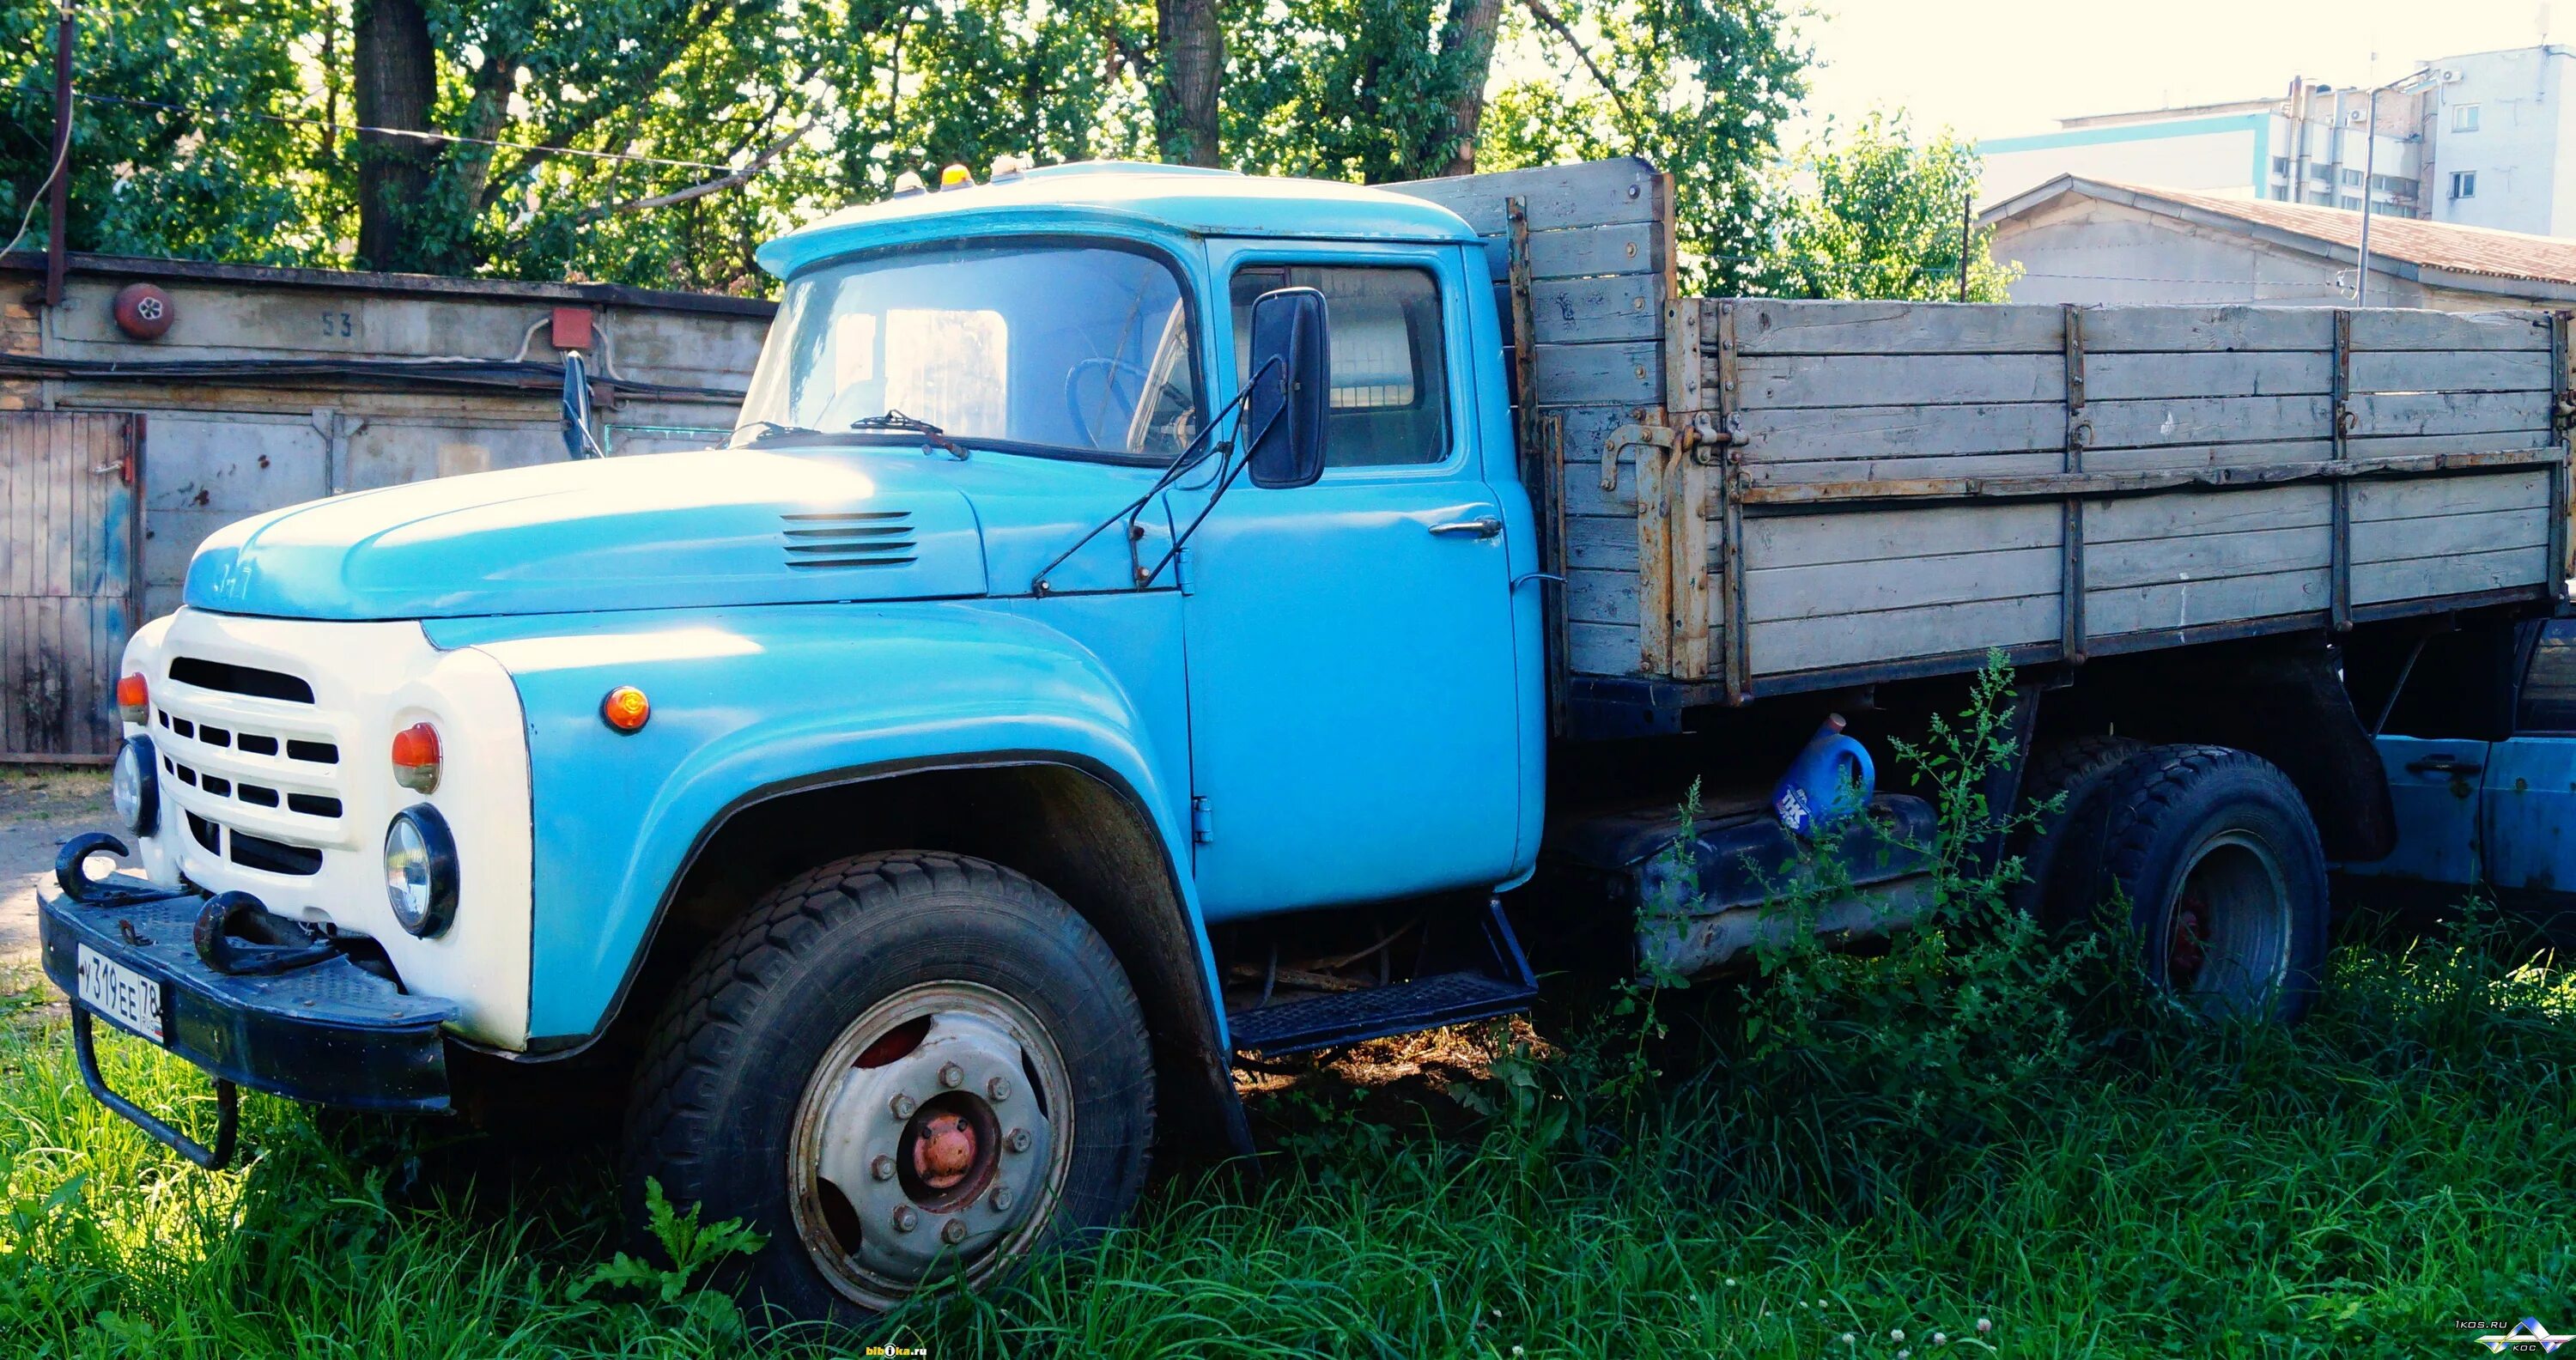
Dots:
(1468, 40)
(1193, 66)
(397, 80)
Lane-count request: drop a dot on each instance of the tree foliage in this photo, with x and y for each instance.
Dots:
(694, 129)
(1882, 214)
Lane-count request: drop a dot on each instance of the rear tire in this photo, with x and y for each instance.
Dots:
(2218, 858)
(896, 1067)
(2060, 850)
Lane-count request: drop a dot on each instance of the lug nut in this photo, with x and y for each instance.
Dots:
(998, 1089)
(953, 1231)
(903, 1105)
(882, 1167)
(1017, 1140)
(905, 1220)
(1001, 1199)
(952, 1076)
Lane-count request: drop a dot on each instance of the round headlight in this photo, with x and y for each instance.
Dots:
(136, 786)
(420, 870)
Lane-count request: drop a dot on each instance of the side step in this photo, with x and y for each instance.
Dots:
(1498, 983)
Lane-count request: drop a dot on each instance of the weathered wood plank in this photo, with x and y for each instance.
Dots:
(2388, 413)
(1592, 194)
(2206, 420)
(2122, 520)
(2389, 540)
(2451, 371)
(1912, 582)
(1899, 469)
(2265, 454)
(1873, 432)
(1882, 535)
(1611, 372)
(2186, 604)
(2392, 328)
(2206, 556)
(2153, 376)
(1601, 542)
(2457, 574)
(2186, 330)
(1602, 596)
(1576, 311)
(1843, 380)
(1629, 248)
(1601, 648)
(1794, 326)
(2416, 498)
(1936, 630)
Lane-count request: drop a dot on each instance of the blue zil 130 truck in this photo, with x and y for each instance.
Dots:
(1149, 614)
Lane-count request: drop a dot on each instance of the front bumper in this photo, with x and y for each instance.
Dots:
(330, 1032)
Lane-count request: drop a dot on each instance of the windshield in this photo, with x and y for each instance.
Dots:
(1073, 347)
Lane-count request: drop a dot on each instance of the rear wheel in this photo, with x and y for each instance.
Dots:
(2218, 859)
(2059, 851)
(898, 1068)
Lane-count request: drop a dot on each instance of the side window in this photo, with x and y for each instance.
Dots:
(2549, 687)
(1390, 399)
(2460, 689)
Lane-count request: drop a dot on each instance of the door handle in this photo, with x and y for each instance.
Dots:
(2449, 765)
(1483, 526)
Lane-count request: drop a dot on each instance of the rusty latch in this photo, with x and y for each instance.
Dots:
(1648, 431)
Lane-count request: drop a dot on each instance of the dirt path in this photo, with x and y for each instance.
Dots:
(40, 808)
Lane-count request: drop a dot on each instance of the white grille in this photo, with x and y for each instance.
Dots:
(257, 779)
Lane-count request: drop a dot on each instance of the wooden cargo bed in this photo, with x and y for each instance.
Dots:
(1768, 496)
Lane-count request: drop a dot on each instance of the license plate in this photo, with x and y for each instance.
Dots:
(121, 994)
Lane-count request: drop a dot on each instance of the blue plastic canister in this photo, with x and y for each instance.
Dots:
(1830, 780)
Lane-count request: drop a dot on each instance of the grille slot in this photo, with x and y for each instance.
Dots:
(277, 857)
(855, 538)
(232, 679)
(319, 752)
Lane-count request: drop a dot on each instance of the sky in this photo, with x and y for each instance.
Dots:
(2000, 68)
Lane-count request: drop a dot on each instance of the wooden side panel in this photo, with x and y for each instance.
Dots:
(66, 537)
(1839, 589)
(2449, 535)
(2191, 559)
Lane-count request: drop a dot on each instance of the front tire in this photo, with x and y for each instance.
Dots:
(897, 1067)
(2218, 858)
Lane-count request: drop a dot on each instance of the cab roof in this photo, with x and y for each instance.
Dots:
(1123, 197)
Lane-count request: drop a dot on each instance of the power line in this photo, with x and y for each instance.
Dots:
(412, 133)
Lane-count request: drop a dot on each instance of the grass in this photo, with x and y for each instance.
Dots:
(2403, 1163)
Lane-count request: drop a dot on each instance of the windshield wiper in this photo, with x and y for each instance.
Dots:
(931, 434)
(762, 429)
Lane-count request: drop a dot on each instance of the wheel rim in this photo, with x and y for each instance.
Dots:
(932, 1137)
(2226, 928)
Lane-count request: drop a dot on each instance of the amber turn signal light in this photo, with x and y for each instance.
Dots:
(416, 757)
(133, 698)
(625, 709)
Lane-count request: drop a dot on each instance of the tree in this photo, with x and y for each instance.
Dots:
(153, 170)
(1877, 213)
(1190, 69)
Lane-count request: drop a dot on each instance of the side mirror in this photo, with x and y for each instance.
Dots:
(1291, 376)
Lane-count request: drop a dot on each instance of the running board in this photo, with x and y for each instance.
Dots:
(1500, 983)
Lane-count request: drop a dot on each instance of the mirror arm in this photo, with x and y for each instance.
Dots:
(1182, 463)
(1225, 481)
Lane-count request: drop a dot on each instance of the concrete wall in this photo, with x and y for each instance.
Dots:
(2084, 250)
(216, 450)
(2217, 154)
(2523, 135)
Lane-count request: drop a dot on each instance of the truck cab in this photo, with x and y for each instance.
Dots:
(981, 570)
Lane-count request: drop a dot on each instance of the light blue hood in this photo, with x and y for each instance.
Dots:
(715, 527)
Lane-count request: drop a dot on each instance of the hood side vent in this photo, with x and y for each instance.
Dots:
(856, 538)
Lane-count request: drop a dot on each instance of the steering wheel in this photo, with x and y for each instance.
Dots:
(1112, 370)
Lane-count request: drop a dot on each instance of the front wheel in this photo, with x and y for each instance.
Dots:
(2218, 858)
(898, 1068)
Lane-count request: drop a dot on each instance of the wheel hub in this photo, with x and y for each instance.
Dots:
(928, 1156)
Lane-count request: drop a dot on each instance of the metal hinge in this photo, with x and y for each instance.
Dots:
(1202, 821)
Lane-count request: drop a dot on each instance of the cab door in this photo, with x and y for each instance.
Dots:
(2453, 704)
(1353, 685)
(2529, 809)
